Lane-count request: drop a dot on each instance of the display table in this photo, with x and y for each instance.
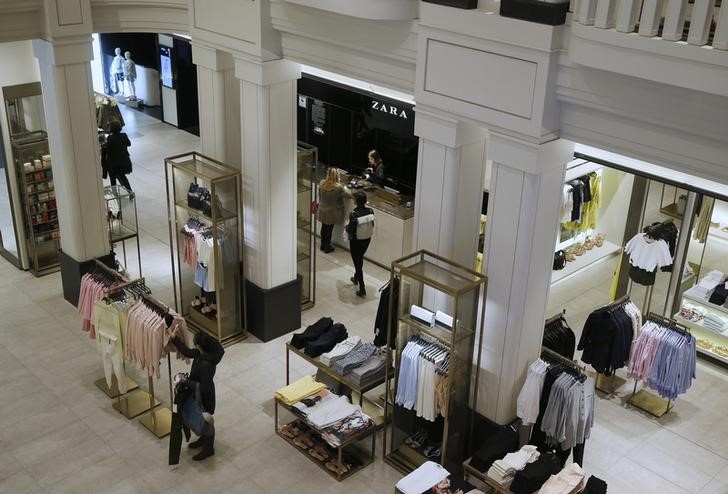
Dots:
(710, 343)
(470, 471)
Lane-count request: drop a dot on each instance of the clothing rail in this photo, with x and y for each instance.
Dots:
(109, 270)
(668, 323)
(555, 318)
(561, 359)
(644, 400)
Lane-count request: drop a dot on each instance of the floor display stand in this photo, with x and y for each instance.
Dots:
(38, 198)
(306, 223)
(121, 215)
(203, 197)
(434, 283)
(645, 400)
(710, 342)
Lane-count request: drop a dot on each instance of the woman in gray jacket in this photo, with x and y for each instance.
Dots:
(332, 208)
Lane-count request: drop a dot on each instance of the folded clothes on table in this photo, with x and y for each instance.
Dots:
(503, 471)
(340, 350)
(370, 371)
(568, 481)
(298, 390)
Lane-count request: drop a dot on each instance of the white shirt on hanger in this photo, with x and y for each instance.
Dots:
(648, 255)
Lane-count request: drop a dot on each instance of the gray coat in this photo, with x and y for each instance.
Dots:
(331, 208)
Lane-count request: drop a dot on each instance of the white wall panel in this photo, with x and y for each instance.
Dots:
(486, 79)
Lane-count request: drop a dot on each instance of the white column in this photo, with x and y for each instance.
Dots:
(523, 217)
(268, 134)
(219, 104)
(450, 176)
(65, 75)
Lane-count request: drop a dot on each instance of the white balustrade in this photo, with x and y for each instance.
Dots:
(605, 14)
(720, 38)
(700, 22)
(627, 13)
(650, 18)
(674, 25)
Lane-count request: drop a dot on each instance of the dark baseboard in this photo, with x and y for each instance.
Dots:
(461, 4)
(553, 14)
(72, 271)
(275, 311)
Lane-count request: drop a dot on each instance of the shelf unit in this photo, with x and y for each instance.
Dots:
(37, 196)
(225, 224)
(703, 334)
(305, 223)
(350, 445)
(122, 218)
(370, 407)
(672, 206)
(435, 283)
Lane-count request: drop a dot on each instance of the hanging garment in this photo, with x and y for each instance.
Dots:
(646, 253)
(666, 231)
(705, 216)
(559, 337)
(110, 322)
(664, 359)
(381, 321)
(527, 404)
(419, 386)
(606, 338)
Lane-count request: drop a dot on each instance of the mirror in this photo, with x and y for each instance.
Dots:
(25, 114)
(8, 242)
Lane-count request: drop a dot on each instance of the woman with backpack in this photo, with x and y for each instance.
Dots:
(360, 229)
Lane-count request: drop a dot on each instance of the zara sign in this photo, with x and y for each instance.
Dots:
(389, 109)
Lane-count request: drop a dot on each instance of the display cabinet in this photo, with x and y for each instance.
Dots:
(454, 297)
(305, 223)
(38, 198)
(121, 215)
(206, 238)
(711, 340)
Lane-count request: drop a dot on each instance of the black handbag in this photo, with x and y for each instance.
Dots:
(559, 260)
(195, 196)
(206, 203)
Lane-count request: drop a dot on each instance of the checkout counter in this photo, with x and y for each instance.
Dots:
(394, 225)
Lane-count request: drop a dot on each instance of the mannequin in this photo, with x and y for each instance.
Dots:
(117, 72)
(130, 75)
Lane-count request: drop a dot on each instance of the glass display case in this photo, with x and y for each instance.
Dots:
(38, 198)
(306, 224)
(206, 239)
(439, 310)
(121, 215)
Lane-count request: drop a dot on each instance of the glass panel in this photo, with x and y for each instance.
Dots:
(7, 227)
(25, 114)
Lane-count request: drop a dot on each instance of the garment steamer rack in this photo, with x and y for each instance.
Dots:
(644, 400)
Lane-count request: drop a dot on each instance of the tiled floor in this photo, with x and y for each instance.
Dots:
(58, 432)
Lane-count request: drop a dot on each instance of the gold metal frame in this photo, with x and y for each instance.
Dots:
(177, 164)
(460, 361)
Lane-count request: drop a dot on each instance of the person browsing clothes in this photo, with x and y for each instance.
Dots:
(332, 207)
(360, 229)
(115, 155)
(205, 356)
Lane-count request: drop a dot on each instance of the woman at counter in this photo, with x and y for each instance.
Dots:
(332, 208)
(375, 172)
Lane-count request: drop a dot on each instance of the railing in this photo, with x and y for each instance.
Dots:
(697, 22)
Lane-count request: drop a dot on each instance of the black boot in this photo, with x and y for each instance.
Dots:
(208, 448)
(197, 444)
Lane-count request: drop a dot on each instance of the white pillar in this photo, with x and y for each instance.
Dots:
(65, 75)
(219, 103)
(523, 217)
(450, 176)
(268, 133)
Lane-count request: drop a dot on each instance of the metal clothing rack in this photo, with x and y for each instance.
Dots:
(132, 405)
(643, 399)
(562, 360)
(610, 384)
(159, 421)
(113, 391)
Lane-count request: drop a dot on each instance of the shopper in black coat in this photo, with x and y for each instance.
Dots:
(115, 155)
(205, 356)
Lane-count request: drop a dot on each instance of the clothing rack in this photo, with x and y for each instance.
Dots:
(550, 354)
(610, 384)
(645, 400)
(159, 421)
(555, 318)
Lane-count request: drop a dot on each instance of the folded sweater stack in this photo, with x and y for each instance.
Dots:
(503, 471)
(306, 386)
(370, 371)
(340, 350)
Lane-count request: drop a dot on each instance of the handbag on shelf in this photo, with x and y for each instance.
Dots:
(559, 260)
(194, 196)
(206, 203)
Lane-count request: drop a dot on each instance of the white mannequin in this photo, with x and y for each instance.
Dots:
(130, 75)
(117, 72)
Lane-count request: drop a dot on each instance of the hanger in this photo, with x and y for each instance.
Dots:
(555, 318)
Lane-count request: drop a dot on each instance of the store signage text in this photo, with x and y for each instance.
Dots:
(385, 108)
